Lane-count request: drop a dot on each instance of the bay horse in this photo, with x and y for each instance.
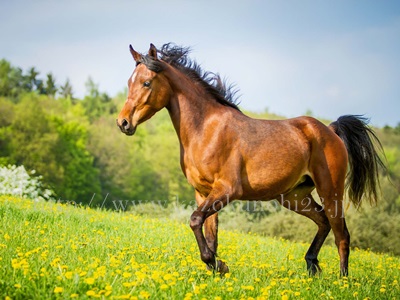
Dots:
(226, 155)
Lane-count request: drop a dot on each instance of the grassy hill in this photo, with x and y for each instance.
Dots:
(59, 251)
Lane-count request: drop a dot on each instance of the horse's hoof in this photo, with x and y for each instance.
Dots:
(222, 268)
(314, 269)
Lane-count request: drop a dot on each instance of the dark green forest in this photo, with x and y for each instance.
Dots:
(77, 149)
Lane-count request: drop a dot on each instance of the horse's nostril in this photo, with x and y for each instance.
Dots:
(125, 124)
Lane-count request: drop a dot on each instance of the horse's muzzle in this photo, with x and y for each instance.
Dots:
(126, 127)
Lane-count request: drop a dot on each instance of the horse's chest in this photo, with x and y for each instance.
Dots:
(202, 181)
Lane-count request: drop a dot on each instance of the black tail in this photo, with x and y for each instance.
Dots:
(362, 144)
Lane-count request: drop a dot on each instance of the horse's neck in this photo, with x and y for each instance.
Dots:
(189, 113)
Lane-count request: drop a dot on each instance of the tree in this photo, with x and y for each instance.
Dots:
(11, 80)
(53, 143)
(66, 90)
(50, 88)
(95, 103)
(32, 79)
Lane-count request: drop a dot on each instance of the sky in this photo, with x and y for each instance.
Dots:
(288, 57)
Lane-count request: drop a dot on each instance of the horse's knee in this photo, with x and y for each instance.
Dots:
(196, 220)
(208, 257)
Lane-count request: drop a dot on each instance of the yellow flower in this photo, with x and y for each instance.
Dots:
(127, 284)
(7, 237)
(163, 286)
(74, 296)
(58, 290)
(17, 286)
(68, 275)
(285, 297)
(90, 293)
(89, 280)
(144, 295)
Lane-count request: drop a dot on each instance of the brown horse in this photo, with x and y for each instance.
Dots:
(226, 155)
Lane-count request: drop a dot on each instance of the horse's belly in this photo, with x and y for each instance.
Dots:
(268, 181)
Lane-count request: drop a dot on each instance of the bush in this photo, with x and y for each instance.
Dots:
(16, 181)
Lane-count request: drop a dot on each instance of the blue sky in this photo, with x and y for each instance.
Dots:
(330, 57)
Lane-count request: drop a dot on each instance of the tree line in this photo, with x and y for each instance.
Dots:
(76, 147)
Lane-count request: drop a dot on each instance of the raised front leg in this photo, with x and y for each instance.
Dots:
(210, 227)
(206, 214)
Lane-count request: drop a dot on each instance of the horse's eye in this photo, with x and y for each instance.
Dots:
(146, 84)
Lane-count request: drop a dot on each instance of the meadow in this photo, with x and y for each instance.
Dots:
(60, 251)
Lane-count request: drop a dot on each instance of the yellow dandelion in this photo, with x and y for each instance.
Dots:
(144, 295)
(89, 280)
(17, 286)
(164, 287)
(68, 275)
(90, 293)
(58, 290)
(127, 284)
(74, 296)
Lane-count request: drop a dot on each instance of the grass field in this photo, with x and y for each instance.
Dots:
(55, 251)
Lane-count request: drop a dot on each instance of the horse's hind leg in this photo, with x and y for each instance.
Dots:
(333, 205)
(329, 182)
(301, 201)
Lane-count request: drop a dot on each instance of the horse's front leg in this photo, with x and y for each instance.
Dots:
(210, 227)
(206, 214)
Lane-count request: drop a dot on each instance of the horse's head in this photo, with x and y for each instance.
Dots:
(148, 91)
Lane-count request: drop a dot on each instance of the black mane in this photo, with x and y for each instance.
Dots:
(177, 57)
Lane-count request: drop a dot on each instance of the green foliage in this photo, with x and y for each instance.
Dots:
(95, 103)
(13, 82)
(66, 90)
(51, 88)
(40, 137)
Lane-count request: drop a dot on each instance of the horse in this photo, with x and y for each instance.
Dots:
(226, 155)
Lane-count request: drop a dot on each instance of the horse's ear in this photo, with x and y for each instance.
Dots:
(153, 51)
(136, 56)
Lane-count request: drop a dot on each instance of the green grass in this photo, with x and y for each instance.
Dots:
(54, 251)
